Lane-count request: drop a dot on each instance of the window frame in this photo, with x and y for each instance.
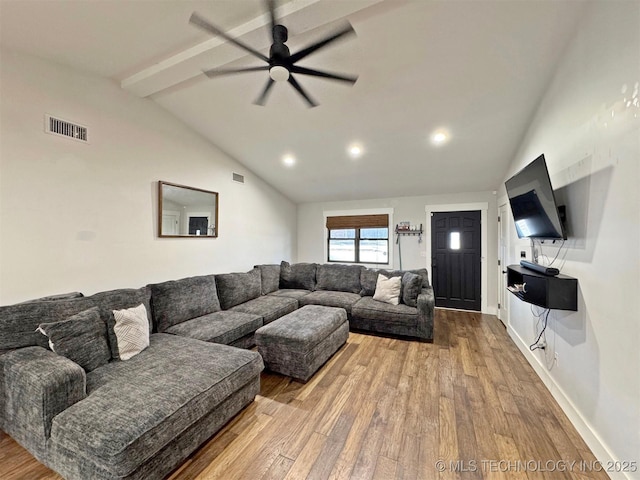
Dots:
(356, 243)
(338, 213)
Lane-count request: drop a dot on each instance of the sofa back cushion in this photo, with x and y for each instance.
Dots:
(121, 299)
(18, 323)
(177, 301)
(269, 277)
(237, 288)
(340, 278)
(298, 275)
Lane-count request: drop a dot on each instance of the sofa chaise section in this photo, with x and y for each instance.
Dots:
(132, 419)
(135, 409)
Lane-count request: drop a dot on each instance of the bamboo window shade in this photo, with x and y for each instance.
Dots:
(358, 221)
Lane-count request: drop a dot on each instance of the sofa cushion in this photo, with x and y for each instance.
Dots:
(131, 330)
(270, 278)
(237, 288)
(177, 301)
(135, 408)
(269, 307)
(219, 327)
(295, 293)
(369, 279)
(340, 278)
(82, 338)
(18, 323)
(121, 299)
(411, 288)
(371, 309)
(388, 289)
(299, 275)
(330, 299)
(58, 296)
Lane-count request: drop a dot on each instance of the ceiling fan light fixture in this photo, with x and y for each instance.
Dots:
(279, 73)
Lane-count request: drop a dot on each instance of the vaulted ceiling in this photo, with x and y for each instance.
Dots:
(474, 69)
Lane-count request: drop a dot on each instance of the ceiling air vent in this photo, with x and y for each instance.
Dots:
(238, 178)
(57, 126)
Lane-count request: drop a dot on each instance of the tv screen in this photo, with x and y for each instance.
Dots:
(533, 204)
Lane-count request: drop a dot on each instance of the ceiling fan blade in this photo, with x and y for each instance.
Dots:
(205, 25)
(348, 29)
(301, 91)
(263, 96)
(216, 72)
(271, 6)
(319, 73)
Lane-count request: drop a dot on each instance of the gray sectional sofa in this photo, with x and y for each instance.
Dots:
(101, 417)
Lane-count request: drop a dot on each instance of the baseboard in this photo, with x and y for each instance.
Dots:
(591, 438)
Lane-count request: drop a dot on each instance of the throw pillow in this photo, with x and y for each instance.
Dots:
(132, 331)
(81, 338)
(411, 287)
(388, 290)
(299, 275)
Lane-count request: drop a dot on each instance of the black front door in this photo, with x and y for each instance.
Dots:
(198, 225)
(455, 261)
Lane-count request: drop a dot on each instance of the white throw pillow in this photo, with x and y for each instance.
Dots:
(388, 289)
(132, 331)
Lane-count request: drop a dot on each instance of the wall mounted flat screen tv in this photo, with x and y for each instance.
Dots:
(533, 203)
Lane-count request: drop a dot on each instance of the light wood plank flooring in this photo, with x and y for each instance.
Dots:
(391, 409)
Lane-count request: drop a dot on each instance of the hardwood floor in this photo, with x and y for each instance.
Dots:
(467, 406)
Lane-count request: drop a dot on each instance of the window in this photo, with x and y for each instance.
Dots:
(358, 239)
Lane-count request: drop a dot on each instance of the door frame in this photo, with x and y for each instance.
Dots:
(484, 216)
(506, 248)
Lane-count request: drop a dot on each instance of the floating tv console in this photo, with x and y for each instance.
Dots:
(558, 292)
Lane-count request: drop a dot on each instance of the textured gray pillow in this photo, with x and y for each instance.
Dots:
(237, 288)
(270, 278)
(299, 275)
(339, 278)
(424, 274)
(81, 338)
(18, 323)
(411, 287)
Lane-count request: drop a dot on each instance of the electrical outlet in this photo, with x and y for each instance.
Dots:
(555, 358)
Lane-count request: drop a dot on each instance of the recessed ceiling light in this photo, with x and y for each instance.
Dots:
(289, 160)
(439, 137)
(355, 150)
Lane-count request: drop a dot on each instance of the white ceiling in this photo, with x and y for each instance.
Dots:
(477, 68)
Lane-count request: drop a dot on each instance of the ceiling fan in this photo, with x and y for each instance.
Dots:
(280, 62)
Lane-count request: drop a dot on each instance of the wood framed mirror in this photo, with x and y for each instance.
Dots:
(186, 212)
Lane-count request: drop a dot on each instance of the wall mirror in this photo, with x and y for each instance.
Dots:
(186, 212)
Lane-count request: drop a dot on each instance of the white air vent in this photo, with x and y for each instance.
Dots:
(57, 126)
(238, 178)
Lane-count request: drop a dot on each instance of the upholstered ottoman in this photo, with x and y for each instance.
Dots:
(299, 343)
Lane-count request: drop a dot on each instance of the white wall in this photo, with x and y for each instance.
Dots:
(591, 141)
(312, 239)
(84, 217)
